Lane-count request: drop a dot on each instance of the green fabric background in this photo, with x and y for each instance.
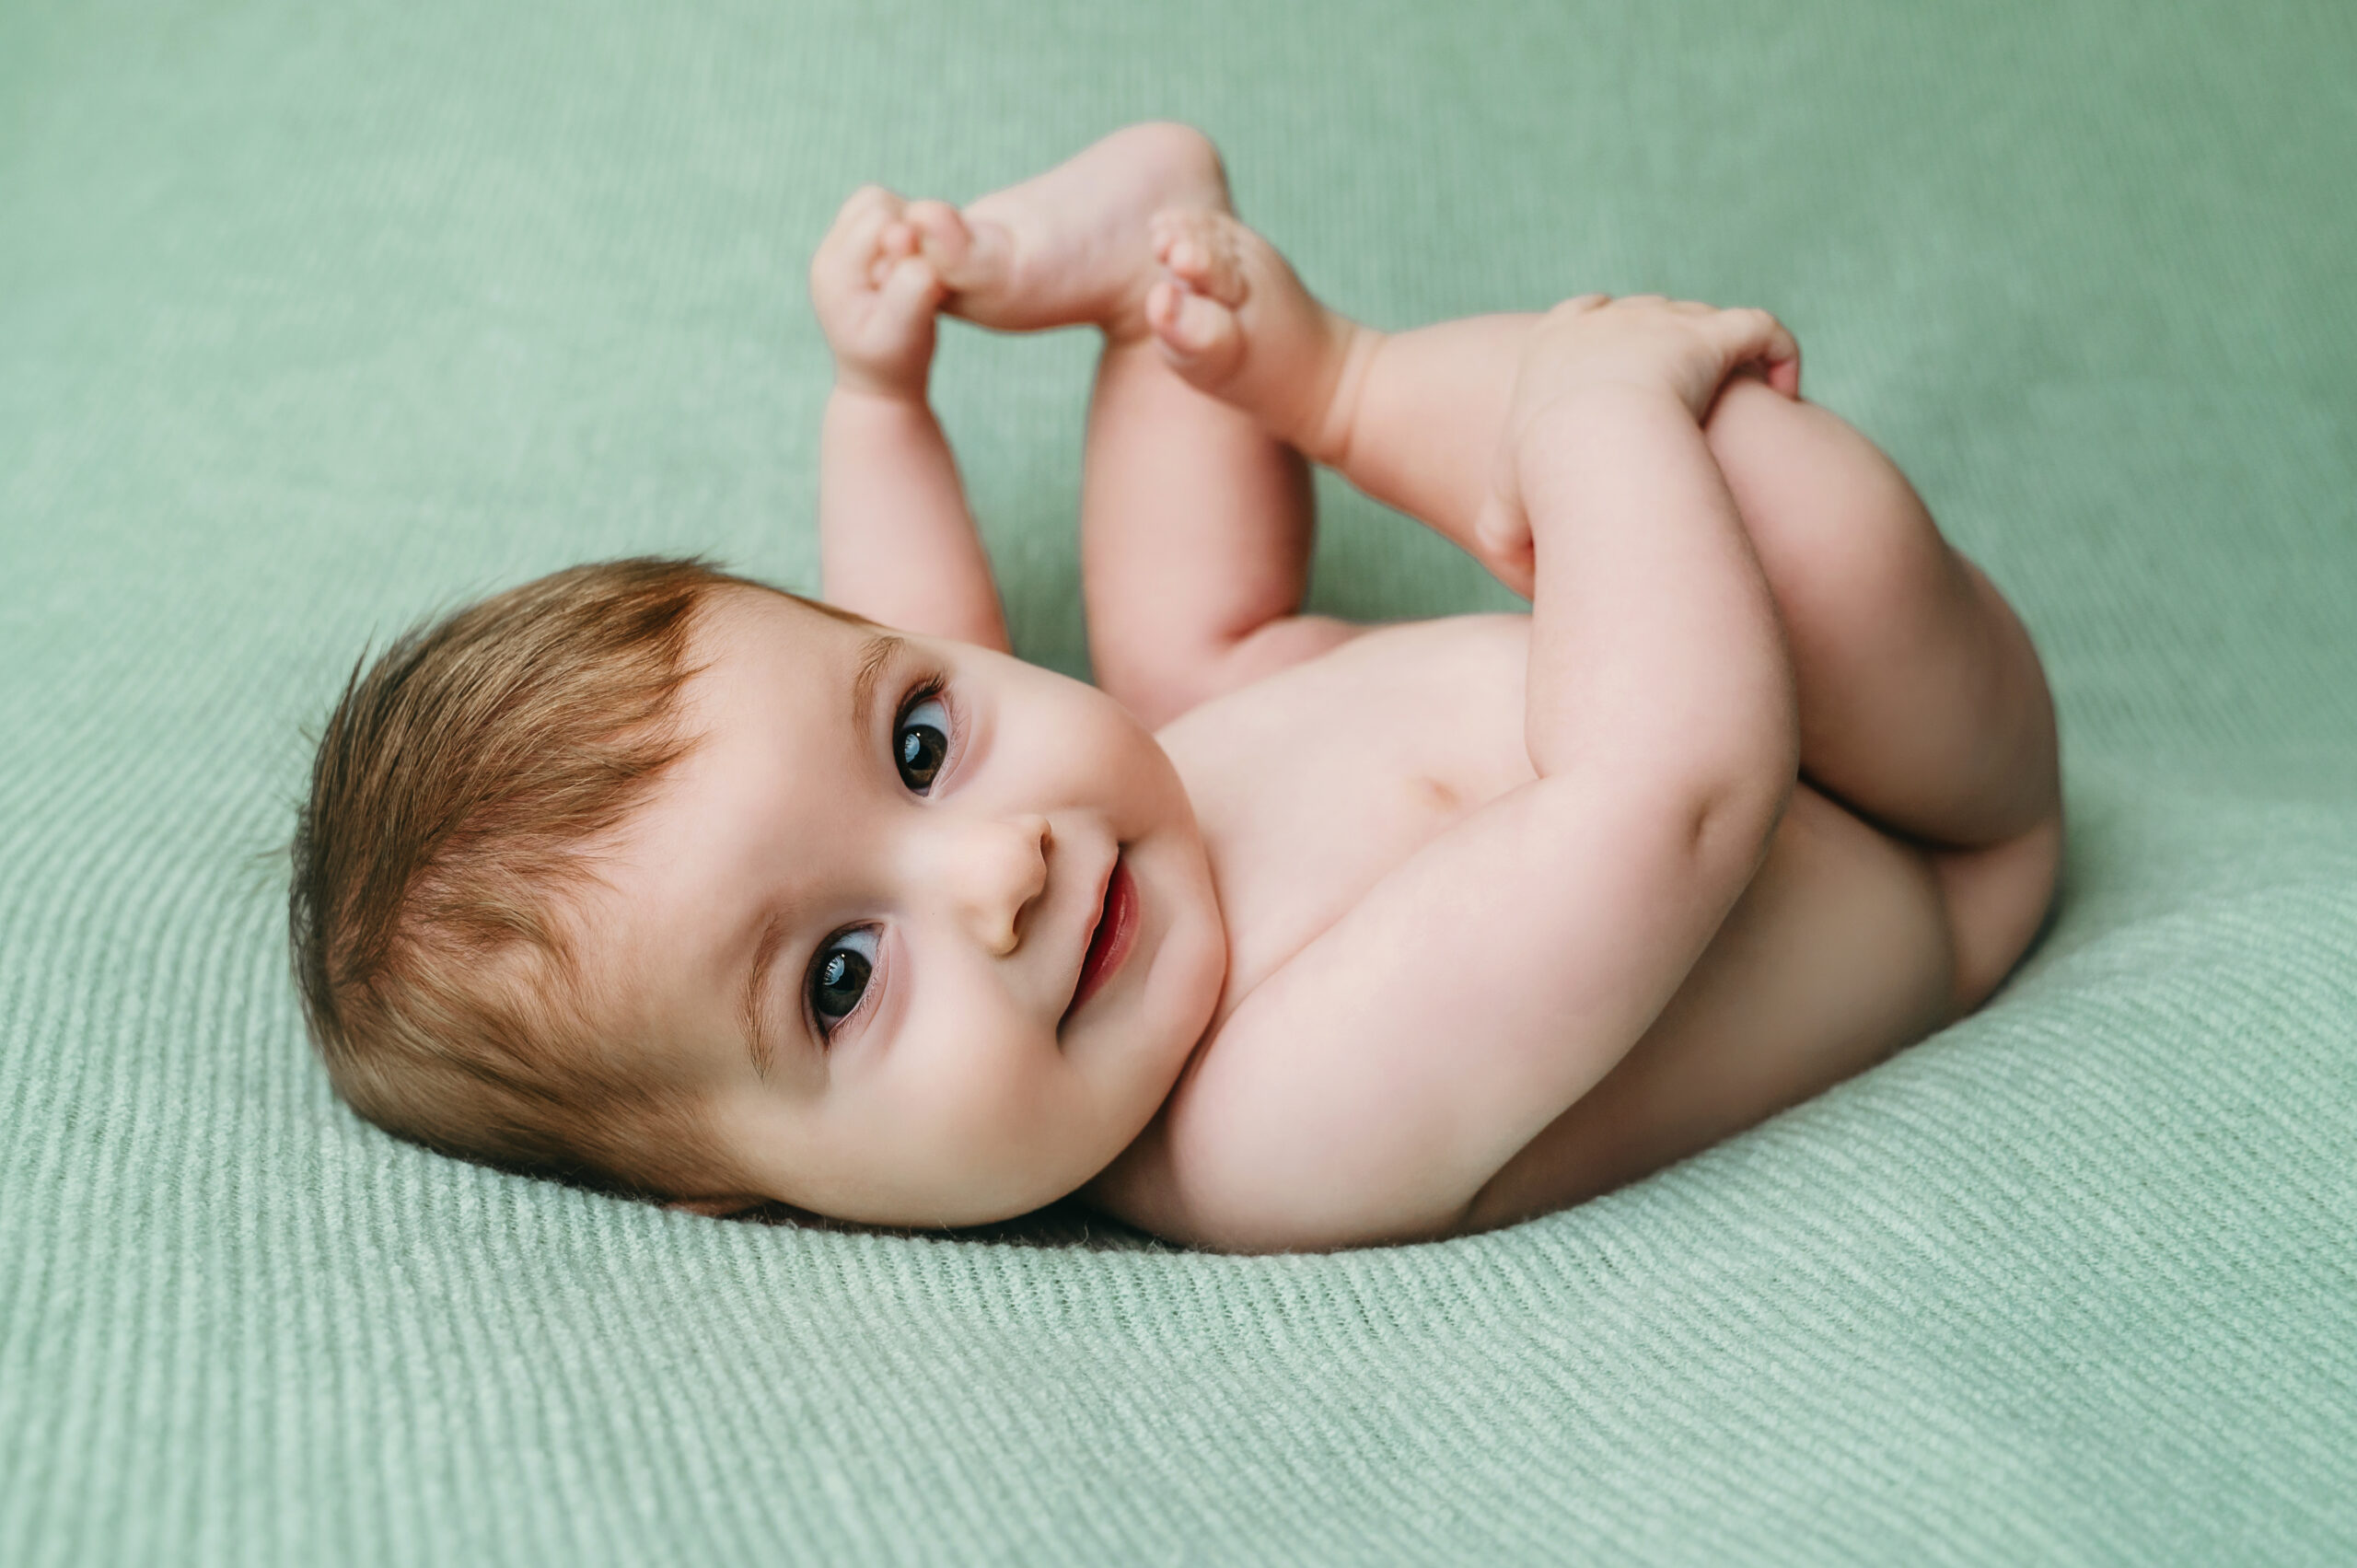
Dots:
(315, 318)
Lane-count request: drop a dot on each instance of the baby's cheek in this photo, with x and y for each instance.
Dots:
(983, 1093)
(999, 1131)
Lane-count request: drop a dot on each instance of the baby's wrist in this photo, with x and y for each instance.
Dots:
(1579, 398)
(880, 384)
(1558, 442)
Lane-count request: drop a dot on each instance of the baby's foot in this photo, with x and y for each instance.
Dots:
(1070, 247)
(1235, 321)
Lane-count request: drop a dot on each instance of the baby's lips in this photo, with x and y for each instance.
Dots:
(1114, 934)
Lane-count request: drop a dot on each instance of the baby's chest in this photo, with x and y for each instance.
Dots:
(1312, 785)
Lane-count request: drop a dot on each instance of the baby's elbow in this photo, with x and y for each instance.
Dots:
(1725, 774)
(1762, 757)
(1737, 813)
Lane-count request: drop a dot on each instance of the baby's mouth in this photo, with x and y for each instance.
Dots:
(1115, 934)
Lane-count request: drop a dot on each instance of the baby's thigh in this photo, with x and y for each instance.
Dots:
(1837, 953)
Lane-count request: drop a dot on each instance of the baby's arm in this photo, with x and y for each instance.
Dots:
(896, 540)
(1369, 1089)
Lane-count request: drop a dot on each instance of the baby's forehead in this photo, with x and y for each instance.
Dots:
(765, 725)
(761, 654)
(740, 618)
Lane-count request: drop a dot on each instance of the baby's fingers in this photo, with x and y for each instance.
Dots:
(842, 263)
(910, 290)
(1756, 337)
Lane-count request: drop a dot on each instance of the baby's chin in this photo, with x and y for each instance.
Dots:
(1056, 1168)
(1088, 1139)
(1000, 1171)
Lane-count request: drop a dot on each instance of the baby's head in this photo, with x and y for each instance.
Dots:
(661, 880)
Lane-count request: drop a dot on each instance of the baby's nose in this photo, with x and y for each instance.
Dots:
(994, 867)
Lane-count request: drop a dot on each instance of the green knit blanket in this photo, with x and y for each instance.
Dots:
(315, 320)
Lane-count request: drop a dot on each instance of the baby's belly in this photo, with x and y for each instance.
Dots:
(1313, 784)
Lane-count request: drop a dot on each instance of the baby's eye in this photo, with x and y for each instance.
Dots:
(839, 975)
(921, 742)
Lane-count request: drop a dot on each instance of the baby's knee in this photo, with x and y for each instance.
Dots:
(1833, 521)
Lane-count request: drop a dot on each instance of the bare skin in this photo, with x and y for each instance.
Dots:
(1744, 621)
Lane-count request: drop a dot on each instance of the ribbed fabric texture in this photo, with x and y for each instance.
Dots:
(314, 319)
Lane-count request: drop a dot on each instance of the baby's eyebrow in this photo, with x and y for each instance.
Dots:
(753, 1008)
(873, 658)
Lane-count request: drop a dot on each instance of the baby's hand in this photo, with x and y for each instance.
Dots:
(1643, 344)
(1647, 342)
(876, 296)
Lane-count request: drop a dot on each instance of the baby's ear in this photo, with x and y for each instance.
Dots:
(714, 1208)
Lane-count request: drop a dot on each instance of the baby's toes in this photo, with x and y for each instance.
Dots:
(943, 237)
(1199, 335)
(1199, 248)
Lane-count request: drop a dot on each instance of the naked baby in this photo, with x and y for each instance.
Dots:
(1289, 934)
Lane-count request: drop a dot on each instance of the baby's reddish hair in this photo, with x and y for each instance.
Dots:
(459, 783)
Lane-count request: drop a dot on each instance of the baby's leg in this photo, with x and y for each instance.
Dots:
(1922, 706)
(1196, 528)
(1196, 521)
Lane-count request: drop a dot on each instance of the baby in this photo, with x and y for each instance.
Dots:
(1291, 934)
